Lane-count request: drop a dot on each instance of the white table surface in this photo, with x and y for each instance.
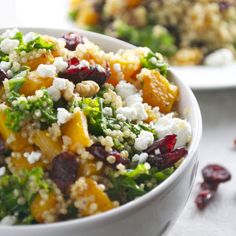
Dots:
(219, 130)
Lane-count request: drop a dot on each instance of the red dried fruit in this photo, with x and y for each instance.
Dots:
(203, 198)
(77, 72)
(165, 160)
(3, 76)
(64, 170)
(216, 174)
(98, 151)
(72, 40)
(165, 145)
(209, 186)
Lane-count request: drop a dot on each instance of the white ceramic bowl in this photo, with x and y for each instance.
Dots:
(154, 213)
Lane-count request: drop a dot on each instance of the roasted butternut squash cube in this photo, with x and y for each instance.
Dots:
(20, 163)
(18, 142)
(89, 198)
(48, 147)
(77, 130)
(157, 90)
(34, 82)
(44, 210)
(46, 58)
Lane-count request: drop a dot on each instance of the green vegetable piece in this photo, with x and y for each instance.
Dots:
(24, 185)
(4, 56)
(72, 15)
(151, 61)
(160, 176)
(16, 82)
(139, 170)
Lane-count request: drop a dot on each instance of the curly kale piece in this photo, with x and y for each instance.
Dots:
(38, 43)
(22, 109)
(126, 187)
(24, 186)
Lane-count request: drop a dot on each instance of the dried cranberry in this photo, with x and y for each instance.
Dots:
(209, 186)
(224, 5)
(165, 145)
(216, 174)
(98, 151)
(165, 160)
(3, 76)
(64, 170)
(72, 40)
(203, 198)
(77, 72)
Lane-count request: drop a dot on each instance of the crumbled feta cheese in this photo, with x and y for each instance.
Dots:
(4, 65)
(144, 140)
(141, 114)
(219, 57)
(100, 68)
(29, 37)
(125, 89)
(54, 93)
(107, 111)
(170, 125)
(8, 220)
(120, 117)
(2, 171)
(132, 99)
(63, 116)
(46, 70)
(84, 63)
(117, 67)
(9, 33)
(8, 45)
(128, 112)
(60, 83)
(60, 64)
(140, 158)
(33, 156)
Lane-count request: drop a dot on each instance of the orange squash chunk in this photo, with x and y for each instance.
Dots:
(33, 83)
(157, 90)
(19, 142)
(133, 3)
(19, 163)
(77, 130)
(40, 206)
(90, 198)
(48, 147)
(46, 58)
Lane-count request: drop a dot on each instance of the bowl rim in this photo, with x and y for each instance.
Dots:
(143, 200)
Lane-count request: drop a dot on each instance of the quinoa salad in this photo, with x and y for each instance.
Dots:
(82, 131)
(186, 32)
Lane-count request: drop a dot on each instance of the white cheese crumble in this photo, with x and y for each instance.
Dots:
(4, 65)
(2, 171)
(117, 67)
(107, 111)
(128, 112)
(9, 33)
(8, 220)
(33, 156)
(8, 45)
(144, 140)
(141, 114)
(60, 64)
(46, 70)
(169, 125)
(125, 89)
(29, 37)
(220, 57)
(140, 158)
(63, 116)
(59, 83)
(54, 93)
(84, 63)
(132, 99)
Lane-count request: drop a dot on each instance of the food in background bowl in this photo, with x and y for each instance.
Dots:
(82, 131)
(186, 32)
